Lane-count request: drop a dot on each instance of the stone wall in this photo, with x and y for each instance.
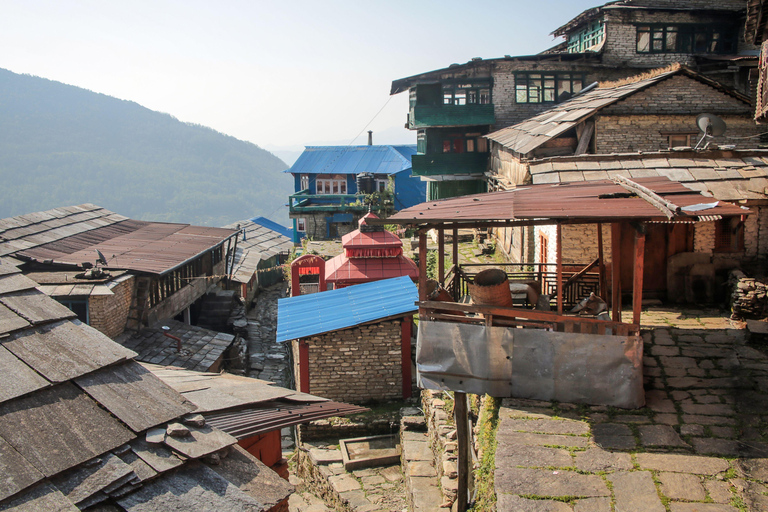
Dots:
(749, 296)
(629, 133)
(109, 313)
(357, 365)
(621, 36)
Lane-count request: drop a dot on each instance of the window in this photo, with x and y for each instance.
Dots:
(304, 181)
(326, 184)
(729, 234)
(686, 38)
(586, 38)
(677, 140)
(382, 182)
(546, 87)
(464, 143)
(467, 93)
(77, 306)
(301, 225)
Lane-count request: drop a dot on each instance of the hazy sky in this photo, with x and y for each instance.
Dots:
(278, 74)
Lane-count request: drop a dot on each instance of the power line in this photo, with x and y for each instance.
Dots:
(369, 122)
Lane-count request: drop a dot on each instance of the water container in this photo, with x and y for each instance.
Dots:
(365, 183)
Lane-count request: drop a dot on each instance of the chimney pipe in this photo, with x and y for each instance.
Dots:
(370, 137)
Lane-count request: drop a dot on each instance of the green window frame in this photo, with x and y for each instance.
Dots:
(462, 93)
(588, 37)
(686, 38)
(546, 87)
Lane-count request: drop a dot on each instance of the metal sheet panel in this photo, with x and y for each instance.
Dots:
(352, 160)
(531, 363)
(58, 428)
(308, 315)
(66, 350)
(134, 395)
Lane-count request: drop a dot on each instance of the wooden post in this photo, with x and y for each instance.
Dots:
(559, 269)
(406, 329)
(422, 265)
(616, 271)
(637, 285)
(441, 255)
(601, 262)
(464, 461)
(456, 247)
(303, 366)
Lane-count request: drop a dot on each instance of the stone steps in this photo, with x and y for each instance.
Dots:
(424, 494)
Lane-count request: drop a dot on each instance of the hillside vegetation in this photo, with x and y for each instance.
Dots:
(62, 145)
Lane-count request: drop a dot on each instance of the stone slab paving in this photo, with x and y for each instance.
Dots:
(700, 444)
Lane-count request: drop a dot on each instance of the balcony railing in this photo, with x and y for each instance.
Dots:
(429, 116)
(304, 202)
(578, 282)
(449, 163)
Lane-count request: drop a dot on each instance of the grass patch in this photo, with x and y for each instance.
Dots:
(484, 475)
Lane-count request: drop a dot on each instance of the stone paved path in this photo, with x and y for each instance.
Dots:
(268, 360)
(700, 444)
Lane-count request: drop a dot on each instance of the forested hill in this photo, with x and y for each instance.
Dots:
(62, 145)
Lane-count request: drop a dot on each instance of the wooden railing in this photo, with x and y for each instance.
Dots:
(517, 317)
(579, 279)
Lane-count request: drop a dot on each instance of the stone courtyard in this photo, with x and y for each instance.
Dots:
(700, 444)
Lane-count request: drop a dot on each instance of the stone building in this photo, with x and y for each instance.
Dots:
(115, 272)
(590, 137)
(453, 108)
(352, 344)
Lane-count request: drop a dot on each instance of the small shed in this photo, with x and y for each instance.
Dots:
(352, 344)
(371, 253)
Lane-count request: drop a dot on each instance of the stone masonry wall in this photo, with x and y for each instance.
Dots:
(108, 313)
(621, 36)
(315, 225)
(680, 94)
(357, 365)
(629, 133)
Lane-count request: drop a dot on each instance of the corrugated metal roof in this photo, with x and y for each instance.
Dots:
(72, 235)
(573, 202)
(353, 160)
(532, 133)
(308, 315)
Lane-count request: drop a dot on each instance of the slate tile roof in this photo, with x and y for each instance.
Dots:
(725, 175)
(200, 348)
(75, 412)
(532, 133)
(259, 243)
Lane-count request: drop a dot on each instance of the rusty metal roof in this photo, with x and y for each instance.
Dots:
(582, 202)
(532, 133)
(72, 235)
(724, 175)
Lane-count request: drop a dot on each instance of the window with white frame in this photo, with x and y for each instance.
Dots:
(327, 184)
(301, 225)
(304, 181)
(381, 183)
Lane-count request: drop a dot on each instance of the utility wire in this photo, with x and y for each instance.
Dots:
(369, 122)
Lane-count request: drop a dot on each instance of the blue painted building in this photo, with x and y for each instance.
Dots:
(327, 202)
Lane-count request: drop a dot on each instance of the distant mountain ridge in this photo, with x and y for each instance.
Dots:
(61, 145)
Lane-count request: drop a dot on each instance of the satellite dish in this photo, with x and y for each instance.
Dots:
(710, 126)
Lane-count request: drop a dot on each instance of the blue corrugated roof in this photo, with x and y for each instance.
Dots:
(353, 160)
(274, 226)
(317, 313)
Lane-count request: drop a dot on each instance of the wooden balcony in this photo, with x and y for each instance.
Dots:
(437, 164)
(304, 202)
(432, 116)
